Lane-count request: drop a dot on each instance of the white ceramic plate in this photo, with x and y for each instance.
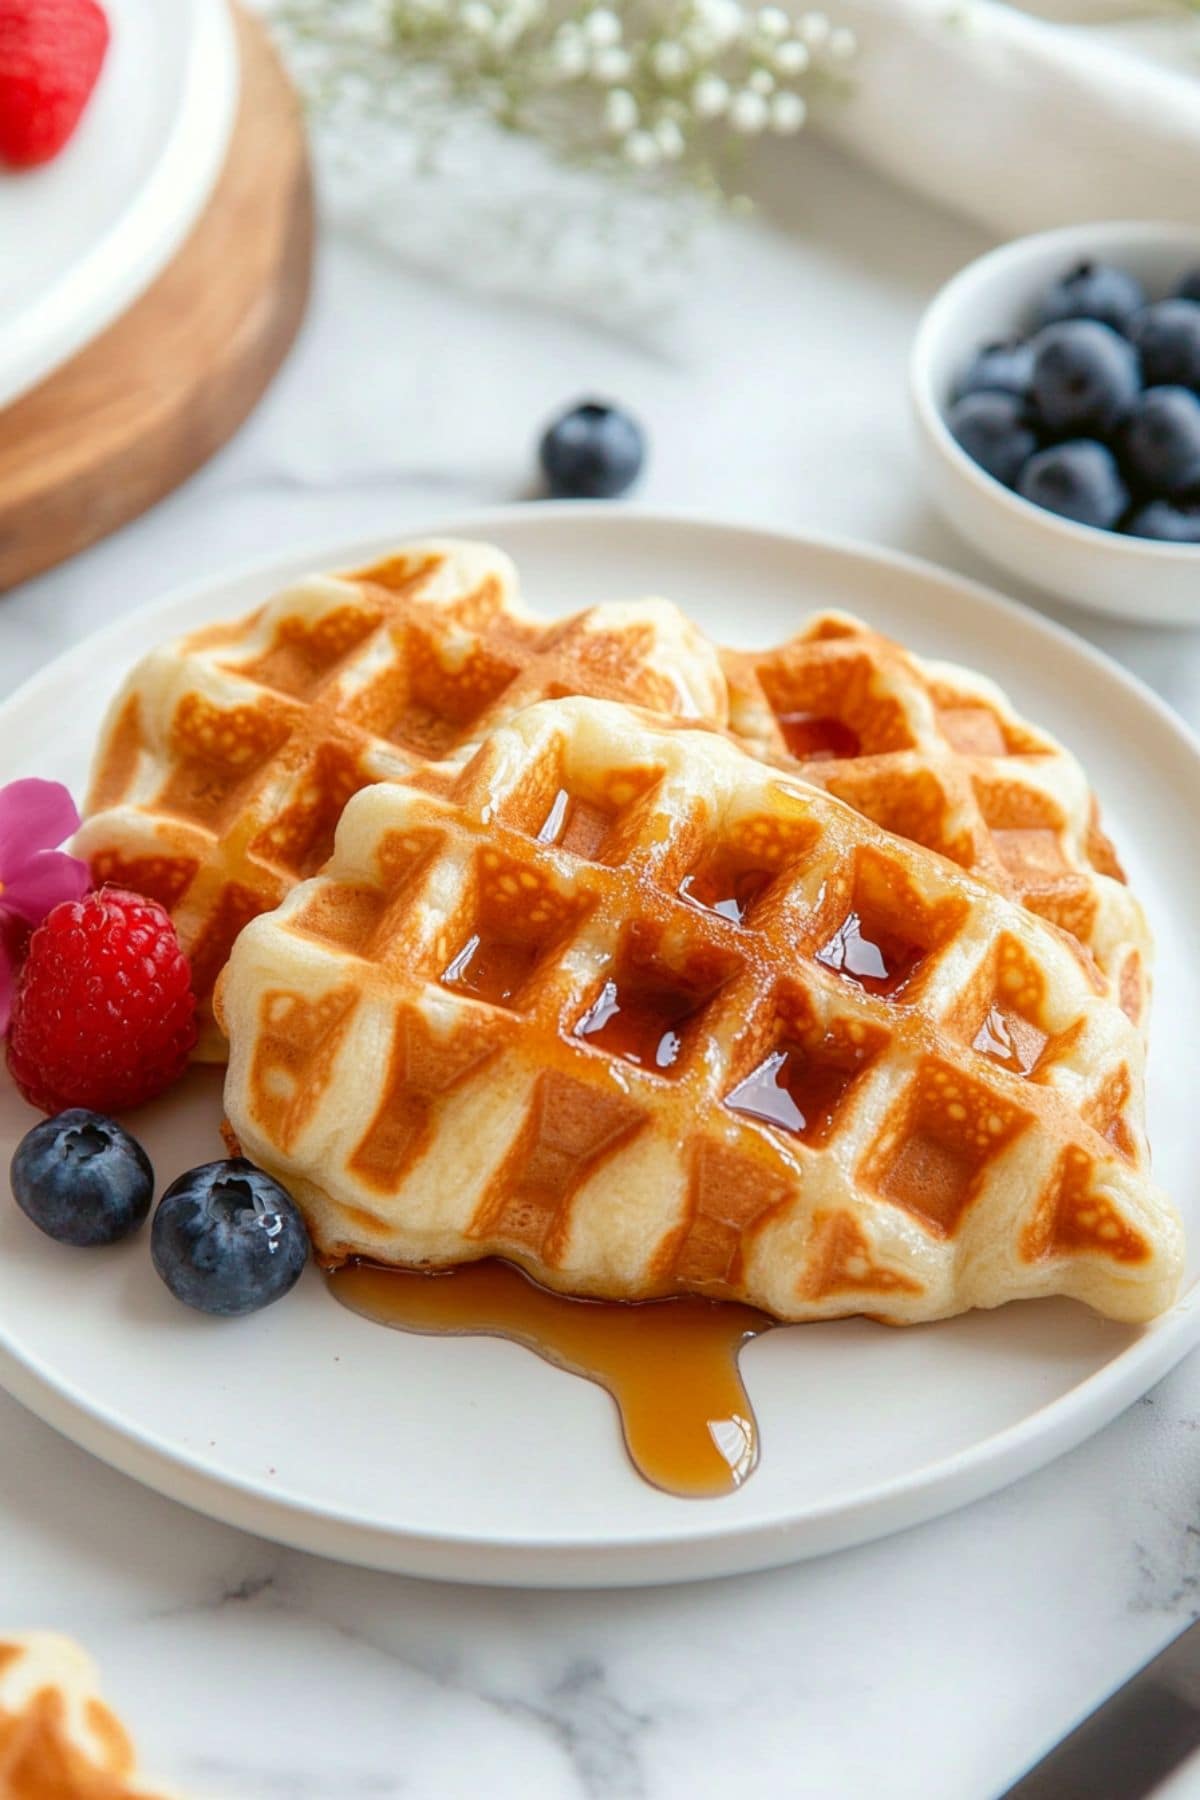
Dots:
(84, 235)
(470, 1458)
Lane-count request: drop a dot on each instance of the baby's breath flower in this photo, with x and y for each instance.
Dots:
(507, 29)
(569, 52)
(620, 111)
(710, 96)
(772, 23)
(670, 59)
(788, 113)
(722, 21)
(612, 63)
(791, 58)
(748, 112)
(645, 75)
(641, 150)
(602, 27)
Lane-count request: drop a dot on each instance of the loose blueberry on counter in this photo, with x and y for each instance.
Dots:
(998, 368)
(1188, 288)
(82, 1179)
(1092, 290)
(1170, 521)
(994, 431)
(1079, 480)
(592, 452)
(1085, 377)
(1167, 338)
(227, 1239)
(1160, 442)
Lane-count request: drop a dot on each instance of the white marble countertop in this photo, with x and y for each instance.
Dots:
(935, 1664)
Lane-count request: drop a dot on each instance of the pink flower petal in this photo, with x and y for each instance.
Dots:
(34, 815)
(35, 889)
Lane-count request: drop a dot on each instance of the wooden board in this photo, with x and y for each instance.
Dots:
(145, 404)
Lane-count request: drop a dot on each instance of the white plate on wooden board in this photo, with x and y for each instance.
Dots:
(469, 1458)
(83, 235)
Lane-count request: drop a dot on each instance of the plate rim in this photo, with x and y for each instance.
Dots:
(673, 1553)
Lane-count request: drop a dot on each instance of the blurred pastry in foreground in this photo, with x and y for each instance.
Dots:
(645, 1015)
(58, 1740)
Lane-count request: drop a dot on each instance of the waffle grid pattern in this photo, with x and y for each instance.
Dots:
(228, 758)
(936, 754)
(645, 1016)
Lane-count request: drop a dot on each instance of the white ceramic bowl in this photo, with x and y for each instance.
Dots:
(1134, 578)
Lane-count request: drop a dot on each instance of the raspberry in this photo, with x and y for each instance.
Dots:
(103, 1014)
(51, 52)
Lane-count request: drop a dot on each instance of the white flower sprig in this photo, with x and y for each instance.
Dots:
(655, 90)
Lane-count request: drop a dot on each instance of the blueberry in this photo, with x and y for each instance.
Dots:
(994, 432)
(1188, 288)
(1078, 479)
(227, 1239)
(998, 368)
(82, 1179)
(1167, 338)
(1160, 441)
(1170, 521)
(1085, 377)
(592, 452)
(1092, 290)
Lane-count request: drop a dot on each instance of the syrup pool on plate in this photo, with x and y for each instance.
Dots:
(671, 1366)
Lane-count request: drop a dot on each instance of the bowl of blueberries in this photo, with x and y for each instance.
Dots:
(1056, 386)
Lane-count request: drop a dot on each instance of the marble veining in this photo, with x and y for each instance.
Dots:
(932, 1665)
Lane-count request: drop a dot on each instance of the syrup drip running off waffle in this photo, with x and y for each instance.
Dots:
(670, 1365)
(58, 1740)
(644, 1015)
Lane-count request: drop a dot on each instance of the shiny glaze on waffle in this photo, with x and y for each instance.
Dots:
(739, 1042)
(229, 757)
(670, 1365)
(937, 755)
(57, 1740)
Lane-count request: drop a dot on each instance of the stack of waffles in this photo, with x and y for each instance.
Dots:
(807, 978)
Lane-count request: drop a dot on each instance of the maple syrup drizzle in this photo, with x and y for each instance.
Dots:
(491, 968)
(1012, 1041)
(812, 738)
(575, 825)
(671, 1366)
(721, 886)
(794, 1092)
(878, 965)
(639, 1024)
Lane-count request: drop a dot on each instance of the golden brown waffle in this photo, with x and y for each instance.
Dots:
(645, 1015)
(227, 758)
(58, 1741)
(936, 754)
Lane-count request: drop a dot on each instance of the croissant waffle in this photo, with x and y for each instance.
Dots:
(645, 1015)
(936, 754)
(58, 1741)
(227, 758)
